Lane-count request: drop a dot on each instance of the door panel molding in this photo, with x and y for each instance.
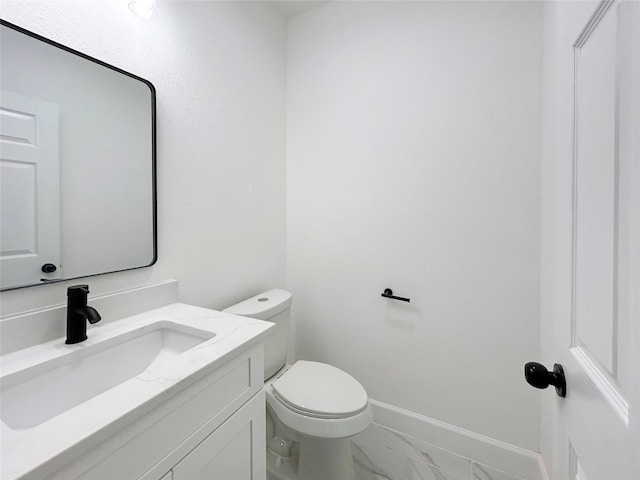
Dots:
(603, 383)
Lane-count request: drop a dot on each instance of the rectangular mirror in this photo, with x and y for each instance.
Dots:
(77, 164)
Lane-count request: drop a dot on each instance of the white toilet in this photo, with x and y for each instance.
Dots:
(312, 408)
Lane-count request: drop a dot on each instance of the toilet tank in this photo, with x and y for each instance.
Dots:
(274, 306)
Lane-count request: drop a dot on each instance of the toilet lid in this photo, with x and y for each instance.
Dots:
(320, 390)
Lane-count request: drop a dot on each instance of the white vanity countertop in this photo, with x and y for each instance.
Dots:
(23, 450)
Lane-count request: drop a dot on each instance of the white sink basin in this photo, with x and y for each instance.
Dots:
(38, 393)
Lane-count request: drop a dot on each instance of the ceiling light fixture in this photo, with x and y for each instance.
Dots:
(144, 8)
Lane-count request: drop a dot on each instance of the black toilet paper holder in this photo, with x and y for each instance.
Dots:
(388, 293)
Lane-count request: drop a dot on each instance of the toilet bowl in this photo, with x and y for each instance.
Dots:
(319, 400)
(321, 408)
(313, 409)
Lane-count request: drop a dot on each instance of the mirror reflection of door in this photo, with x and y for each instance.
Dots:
(29, 191)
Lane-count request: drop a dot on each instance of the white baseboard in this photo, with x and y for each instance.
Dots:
(478, 448)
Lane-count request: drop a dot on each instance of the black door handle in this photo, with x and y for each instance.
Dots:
(49, 268)
(538, 376)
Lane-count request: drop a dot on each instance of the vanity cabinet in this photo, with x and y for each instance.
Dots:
(214, 428)
(234, 451)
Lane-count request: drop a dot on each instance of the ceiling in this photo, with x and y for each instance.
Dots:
(290, 8)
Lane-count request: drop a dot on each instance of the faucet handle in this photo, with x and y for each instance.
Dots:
(77, 290)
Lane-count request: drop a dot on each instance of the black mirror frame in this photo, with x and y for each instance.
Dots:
(154, 183)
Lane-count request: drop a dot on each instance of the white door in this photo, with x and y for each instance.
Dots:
(591, 238)
(29, 191)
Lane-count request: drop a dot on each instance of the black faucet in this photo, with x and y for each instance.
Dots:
(78, 312)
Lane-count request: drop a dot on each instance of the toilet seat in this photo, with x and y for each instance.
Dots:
(321, 391)
(343, 416)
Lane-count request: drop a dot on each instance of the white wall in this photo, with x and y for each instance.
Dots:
(413, 163)
(219, 71)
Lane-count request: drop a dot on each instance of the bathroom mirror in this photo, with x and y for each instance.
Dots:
(77, 166)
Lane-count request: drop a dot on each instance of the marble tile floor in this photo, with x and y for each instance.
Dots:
(380, 453)
(383, 454)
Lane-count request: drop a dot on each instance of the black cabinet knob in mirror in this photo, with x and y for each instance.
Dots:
(538, 376)
(49, 268)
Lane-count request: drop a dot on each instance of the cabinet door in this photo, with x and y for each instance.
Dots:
(234, 451)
